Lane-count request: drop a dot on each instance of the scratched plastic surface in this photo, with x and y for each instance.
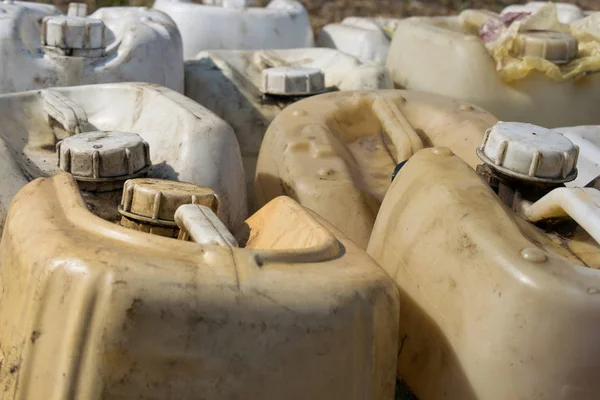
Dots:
(336, 153)
(43, 48)
(493, 306)
(32, 124)
(101, 311)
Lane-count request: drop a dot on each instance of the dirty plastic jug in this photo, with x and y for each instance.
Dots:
(367, 39)
(283, 307)
(497, 270)
(520, 67)
(106, 134)
(567, 12)
(249, 88)
(335, 153)
(42, 48)
(239, 24)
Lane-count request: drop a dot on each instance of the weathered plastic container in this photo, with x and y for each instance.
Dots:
(141, 130)
(498, 277)
(249, 88)
(367, 39)
(587, 138)
(42, 48)
(336, 153)
(239, 24)
(445, 55)
(567, 12)
(100, 311)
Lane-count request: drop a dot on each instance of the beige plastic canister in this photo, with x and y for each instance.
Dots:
(288, 308)
(335, 153)
(493, 307)
(249, 88)
(184, 141)
(445, 55)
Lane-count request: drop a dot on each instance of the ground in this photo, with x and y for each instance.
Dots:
(326, 11)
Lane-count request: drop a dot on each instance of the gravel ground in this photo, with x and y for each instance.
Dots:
(325, 11)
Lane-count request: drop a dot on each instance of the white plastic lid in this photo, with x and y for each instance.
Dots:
(557, 47)
(291, 81)
(101, 156)
(69, 32)
(529, 152)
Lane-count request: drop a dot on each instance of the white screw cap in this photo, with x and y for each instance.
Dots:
(156, 200)
(529, 152)
(289, 81)
(557, 47)
(101, 156)
(67, 32)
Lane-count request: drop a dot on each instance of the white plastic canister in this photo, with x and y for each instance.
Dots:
(184, 141)
(42, 48)
(567, 12)
(239, 24)
(445, 55)
(367, 39)
(249, 88)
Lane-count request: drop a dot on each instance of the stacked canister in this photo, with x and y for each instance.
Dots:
(203, 200)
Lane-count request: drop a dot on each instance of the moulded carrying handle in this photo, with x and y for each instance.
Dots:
(269, 59)
(64, 112)
(200, 224)
(580, 204)
(393, 121)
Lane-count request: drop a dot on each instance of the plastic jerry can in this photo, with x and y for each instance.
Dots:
(106, 134)
(335, 153)
(498, 277)
(239, 24)
(519, 66)
(42, 48)
(367, 39)
(566, 12)
(268, 311)
(249, 88)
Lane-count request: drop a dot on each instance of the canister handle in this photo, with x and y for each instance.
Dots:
(62, 110)
(580, 204)
(393, 121)
(201, 225)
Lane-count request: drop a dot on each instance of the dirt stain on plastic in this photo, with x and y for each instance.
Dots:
(35, 335)
(135, 305)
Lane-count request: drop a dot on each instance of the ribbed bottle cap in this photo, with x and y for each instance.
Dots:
(557, 47)
(290, 81)
(156, 200)
(529, 152)
(103, 156)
